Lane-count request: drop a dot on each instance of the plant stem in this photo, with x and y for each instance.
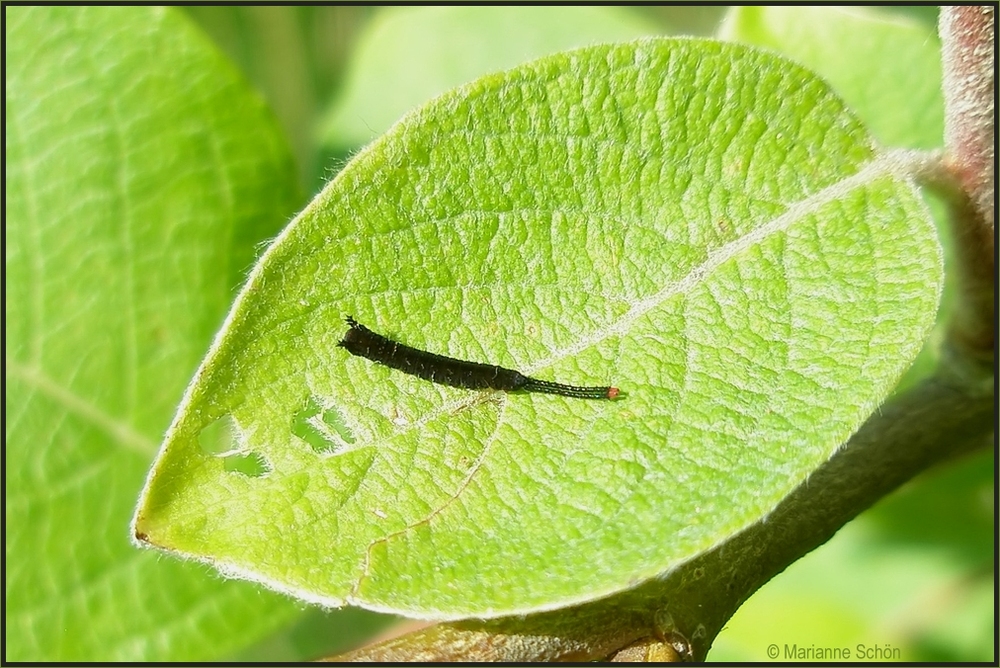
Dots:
(967, 41)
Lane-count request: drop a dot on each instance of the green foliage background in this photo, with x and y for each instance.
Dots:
(126, 321)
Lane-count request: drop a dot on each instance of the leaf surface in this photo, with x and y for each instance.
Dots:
(703, 225)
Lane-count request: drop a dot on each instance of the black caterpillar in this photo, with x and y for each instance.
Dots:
(363, 342)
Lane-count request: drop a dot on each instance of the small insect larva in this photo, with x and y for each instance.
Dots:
(363, 342)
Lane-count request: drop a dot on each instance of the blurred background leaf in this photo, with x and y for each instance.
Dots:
(407, 55)
(296, 57)
(142, 172)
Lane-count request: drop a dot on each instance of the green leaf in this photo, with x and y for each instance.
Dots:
(704, 225)
(410, 54)
(141, 172)
(886, 67)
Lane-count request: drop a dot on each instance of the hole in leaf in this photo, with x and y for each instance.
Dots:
(252, 465)
(335, 421)
(323, 429)
(218, 439)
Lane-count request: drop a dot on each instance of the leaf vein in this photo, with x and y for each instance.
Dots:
(121, 432)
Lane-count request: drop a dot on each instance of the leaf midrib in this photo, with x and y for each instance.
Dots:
(882, 164)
